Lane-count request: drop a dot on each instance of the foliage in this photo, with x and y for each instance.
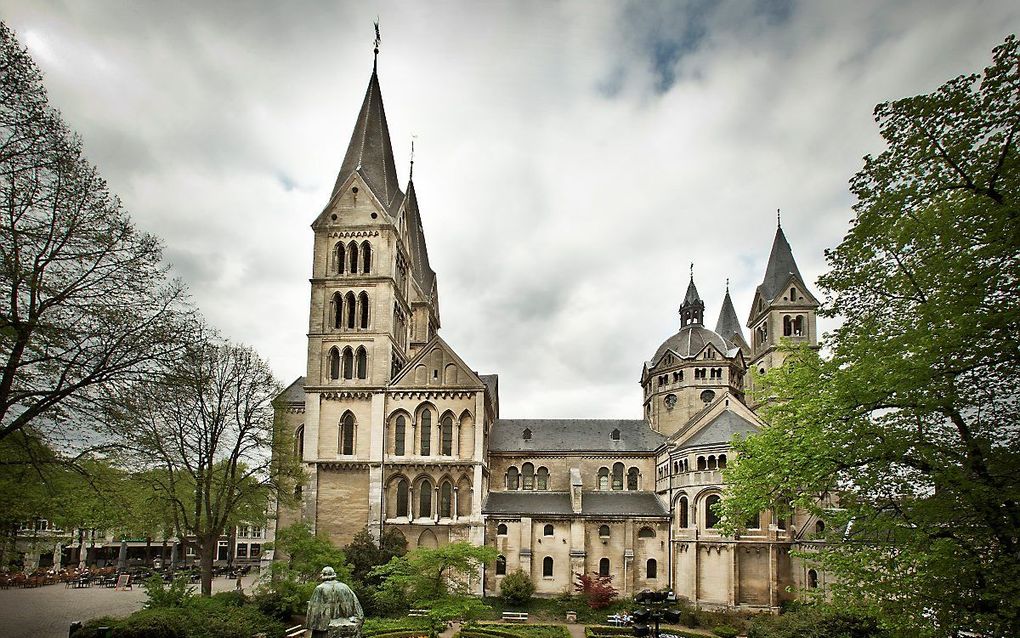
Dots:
(596, 591)
(817, 621)
(364, 554)
(455, 607)
(427, 575)
(86, 304)
(292, 580)
(414, 626)
(726, 631)
(215, 617)
(904, 436)
(516, 587)
(514, 631)
(159, 595)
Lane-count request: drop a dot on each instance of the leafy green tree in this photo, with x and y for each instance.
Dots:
(364, 554)
(424, 576)
(904, 437)
(516, 588)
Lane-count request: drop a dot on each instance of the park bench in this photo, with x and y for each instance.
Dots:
(515, 616)
(418, 613)
(297, 631)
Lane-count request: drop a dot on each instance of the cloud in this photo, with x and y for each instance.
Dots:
(572, 159)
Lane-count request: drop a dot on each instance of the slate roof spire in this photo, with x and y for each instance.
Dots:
(692, 310)
(781, 265)
(728, 326)
(370, 152)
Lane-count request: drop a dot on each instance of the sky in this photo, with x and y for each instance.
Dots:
(572, 159)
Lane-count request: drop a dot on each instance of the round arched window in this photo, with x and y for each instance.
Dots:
(707, 396)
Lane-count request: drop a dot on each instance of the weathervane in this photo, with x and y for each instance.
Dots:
(413, 137)
(779, 219)
(378, 39)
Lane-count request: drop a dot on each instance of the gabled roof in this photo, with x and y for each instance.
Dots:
(593, 504)
(435, 376)
(370, 152)
(573, 435)
(721, 429)
(711, 425)
(295, 392)
(779, 269)
(728, 327)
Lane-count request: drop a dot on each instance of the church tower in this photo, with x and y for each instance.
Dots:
(783, 309)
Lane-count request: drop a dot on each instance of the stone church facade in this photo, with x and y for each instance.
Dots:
(395, 430)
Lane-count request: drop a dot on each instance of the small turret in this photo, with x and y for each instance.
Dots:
(692, 310)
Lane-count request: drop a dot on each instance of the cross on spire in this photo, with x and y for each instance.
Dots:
(378, 39)
(779, 219)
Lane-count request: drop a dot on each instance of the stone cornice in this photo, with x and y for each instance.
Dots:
(345, 465)
(433, 394)
(353, 233)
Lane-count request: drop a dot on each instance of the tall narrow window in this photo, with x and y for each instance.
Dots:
(711, 517)
(366, 257)
(754, 522)
(334, 363)
(632, 478)
(347, 434)
(399, 432)
(348, 363)
(798, 326)
(548, 530)
(337, 306)
(361, 361)
(682, 512)
(426, 433)
(339, 252)
(793, 294)
(547, 567)
(512, 478)
(299, 443)
(445, 500)
(722, 461)
(542, 479)
(424, 500)
(604, 567)
(787, 326)
(651, 569)
(402, 504)
(501, 565)
(618, 476)
(603, 478)
(349, 309)
(363, 309)
(352, 252)
(446, 435)
(812, 579)
(528, 476)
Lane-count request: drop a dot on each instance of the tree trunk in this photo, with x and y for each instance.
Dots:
(207, 553)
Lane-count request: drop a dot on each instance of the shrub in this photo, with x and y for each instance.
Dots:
(817, 622)
(162, 596)
(516, 588)
(726, 631)
(597, 591)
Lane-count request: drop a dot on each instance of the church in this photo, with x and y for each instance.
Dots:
(395, 430)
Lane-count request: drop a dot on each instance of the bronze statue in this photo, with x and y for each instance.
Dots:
(333, 609)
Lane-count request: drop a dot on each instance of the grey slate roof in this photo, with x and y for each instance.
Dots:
(573, 435)
(781, 265)
(558, 504)
(689, 341)
(491, 382)
(692, 296)
(295, 392)
(370, 152)
(721, 430)
(423, 273)
(728, 326)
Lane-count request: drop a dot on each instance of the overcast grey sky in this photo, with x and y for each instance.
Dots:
(572, 158)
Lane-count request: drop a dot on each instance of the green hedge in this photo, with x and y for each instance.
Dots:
(609, 631)
(506, 630)
(203, 620)
(374, 627)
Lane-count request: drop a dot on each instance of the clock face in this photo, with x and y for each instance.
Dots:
(670, 401)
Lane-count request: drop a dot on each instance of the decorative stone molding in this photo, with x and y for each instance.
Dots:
(434, 394)
(345, 394)
(345, 465)
(353, 233)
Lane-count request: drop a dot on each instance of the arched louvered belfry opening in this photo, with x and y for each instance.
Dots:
(350, 309)
(348, 363)
(366, 257)
(345, 439)
(339, 254)
(336, 307)
(352, 253)
(363, 310)
(334, 363)
(361, 363)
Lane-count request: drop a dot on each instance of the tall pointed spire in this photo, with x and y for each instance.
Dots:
(728, 326)
(781, 265)
(370, 152)
(692, 310)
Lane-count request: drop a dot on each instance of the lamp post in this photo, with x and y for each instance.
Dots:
(655, 608)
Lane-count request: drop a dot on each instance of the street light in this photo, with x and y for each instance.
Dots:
(655, 609)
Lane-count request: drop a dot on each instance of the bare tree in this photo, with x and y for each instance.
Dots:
(86, 304)
(205, 433)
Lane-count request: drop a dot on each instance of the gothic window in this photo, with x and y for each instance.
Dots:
(682, 510)
(352, 253)
(512, 478)
(402, 498)
(501, 565)
(446, 435)
(334, 363)
(618, 476)
(501, 529)
(711, 462)
(425, 500)
(346, 438)
(615, 435)
(339, 252)
(632, 478)
(722, 461)
(646, 532)
(349, 308)
(754, 522)
(604, 567)
(362, 363)
(528, 476)
(547, 567)
(446, 500)
(812, 579)
(604, 531)
(542, 479)
(348, 363)
(711, 517)
(548, 530)
(299, 442)
(366, 257)
(651, 569)
(603, 478)
(787, 326)
(526, 434)
(399, 433)
(363, 309)
(426, 433)
(337, 307)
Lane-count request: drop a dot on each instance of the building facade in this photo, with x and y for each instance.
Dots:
(395, 430)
